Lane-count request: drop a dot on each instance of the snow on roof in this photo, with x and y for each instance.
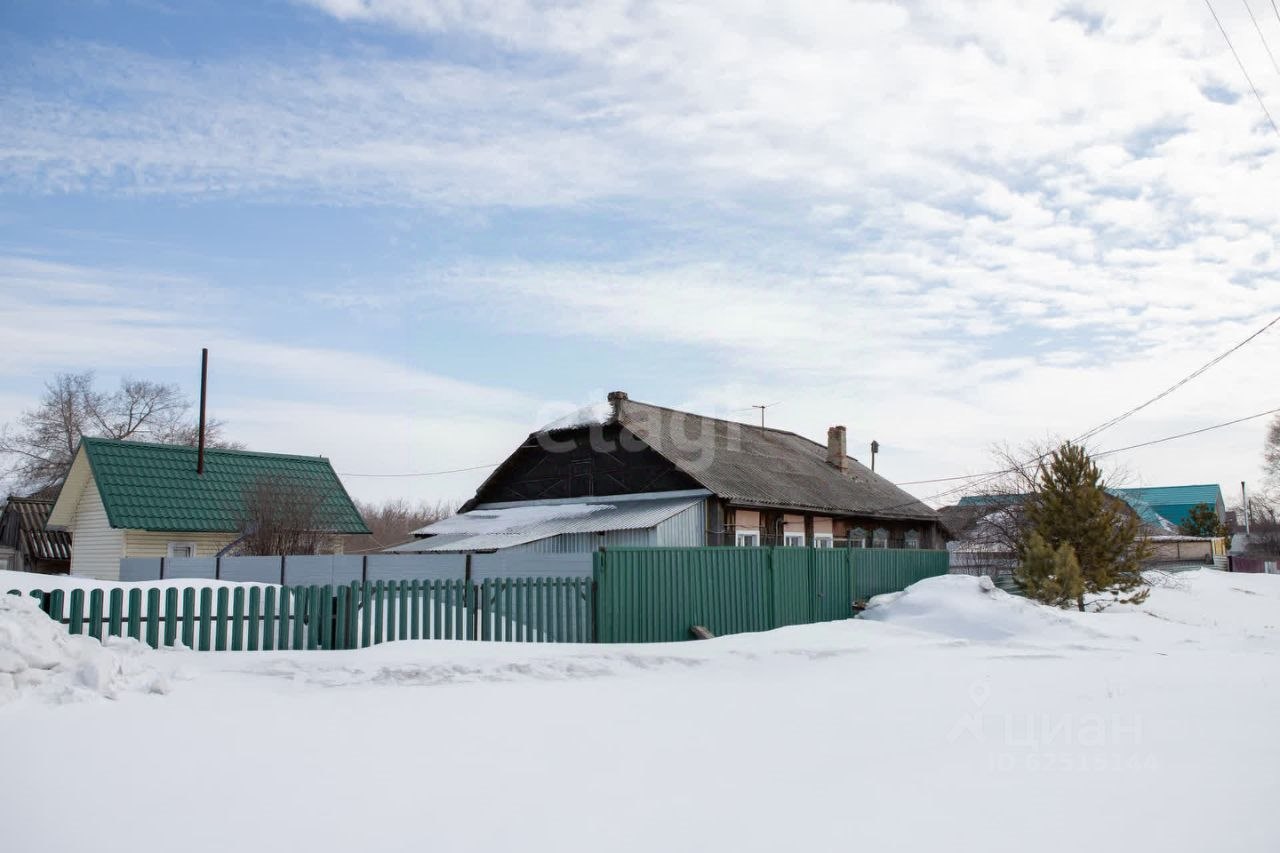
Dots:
(596, 413)
(492, 529)
(511, 520)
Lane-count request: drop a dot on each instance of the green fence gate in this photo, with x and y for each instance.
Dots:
(658, 594)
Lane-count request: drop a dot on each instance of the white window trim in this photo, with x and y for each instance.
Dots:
(793, 540)
(176, 545)
(747, 539)
(824, 540)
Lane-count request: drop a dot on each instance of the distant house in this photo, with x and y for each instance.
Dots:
(1174, 503)
(26, 545)
(131, 499)
(977, 527)
(626, 473)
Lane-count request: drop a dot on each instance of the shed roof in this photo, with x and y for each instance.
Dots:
(755, 466)
(155, 486)
(32, 516)
(487, 529)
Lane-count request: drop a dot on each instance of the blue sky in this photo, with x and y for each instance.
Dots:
(410, 232)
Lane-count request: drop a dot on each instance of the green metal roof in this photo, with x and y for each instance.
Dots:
(1175, 502)
(156, 487)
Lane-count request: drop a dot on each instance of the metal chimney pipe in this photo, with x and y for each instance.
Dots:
(1244, 503)
(204, 387)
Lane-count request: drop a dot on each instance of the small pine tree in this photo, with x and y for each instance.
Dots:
(1202, 520)
(1070, 506)
(1049, 576)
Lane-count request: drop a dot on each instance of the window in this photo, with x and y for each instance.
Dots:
(793, 540)
(824, 540)
(880, 539)
(747, 539)
(912, 539)
(182, 549)
(857, 538)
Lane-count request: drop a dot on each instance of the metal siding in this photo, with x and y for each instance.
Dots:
(687, 528)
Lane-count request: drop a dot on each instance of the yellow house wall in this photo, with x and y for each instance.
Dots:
(148, 543)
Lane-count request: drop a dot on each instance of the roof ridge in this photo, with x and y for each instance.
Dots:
(100, 440)
(724, 420)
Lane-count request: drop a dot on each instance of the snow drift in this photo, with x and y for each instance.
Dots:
(972, 608)
(39, 659)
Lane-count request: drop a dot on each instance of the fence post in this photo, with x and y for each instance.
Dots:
(773, 583)
(471, 631)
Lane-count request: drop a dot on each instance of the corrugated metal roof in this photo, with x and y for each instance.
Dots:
(155, 486)
(490, 529)
(40, 542)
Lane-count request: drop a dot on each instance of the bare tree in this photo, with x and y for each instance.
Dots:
(40, 446)
(1264, 526)
(281, 517)
(1271, 454)
(392, 523)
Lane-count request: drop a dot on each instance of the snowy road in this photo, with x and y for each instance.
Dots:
(956, 719)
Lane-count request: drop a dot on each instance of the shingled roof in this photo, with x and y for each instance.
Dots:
(757, 466)
(155, 486)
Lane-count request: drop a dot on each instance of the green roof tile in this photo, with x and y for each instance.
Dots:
(155, 486)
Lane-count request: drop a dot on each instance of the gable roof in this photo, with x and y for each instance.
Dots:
(750, 465)
(29, 517)
(155, 486)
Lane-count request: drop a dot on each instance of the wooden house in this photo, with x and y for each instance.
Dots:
(631, 473)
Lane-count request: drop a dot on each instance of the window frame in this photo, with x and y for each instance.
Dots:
(789, 540)
(189, 546)
(824, 540)
(741, 537)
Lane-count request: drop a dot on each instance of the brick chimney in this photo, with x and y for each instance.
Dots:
(615, 399)
(837, 457)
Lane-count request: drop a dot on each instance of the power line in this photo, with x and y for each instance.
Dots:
(1249, 9)
(1108, 452)
(1175, 386)
(1243, 71)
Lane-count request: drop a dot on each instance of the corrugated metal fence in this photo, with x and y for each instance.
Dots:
(657, 594)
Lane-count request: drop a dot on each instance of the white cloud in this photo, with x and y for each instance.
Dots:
(968, 212)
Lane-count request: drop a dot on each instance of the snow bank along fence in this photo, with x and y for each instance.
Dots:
(659, 594)
(351, 616)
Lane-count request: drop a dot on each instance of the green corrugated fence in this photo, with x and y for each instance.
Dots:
(357, 615)
(658, 594)
(636, 595)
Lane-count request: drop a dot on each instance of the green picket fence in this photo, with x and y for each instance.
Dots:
(357, 615)
(659, 594)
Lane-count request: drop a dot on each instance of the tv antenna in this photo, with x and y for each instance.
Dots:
(762, 407)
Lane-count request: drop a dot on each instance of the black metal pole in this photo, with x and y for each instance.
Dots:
(204, 387)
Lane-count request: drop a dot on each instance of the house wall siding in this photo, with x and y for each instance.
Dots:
(96, 547)
(148, 543)
(686, 528)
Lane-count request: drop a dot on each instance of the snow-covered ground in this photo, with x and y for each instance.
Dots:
(952, 717)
